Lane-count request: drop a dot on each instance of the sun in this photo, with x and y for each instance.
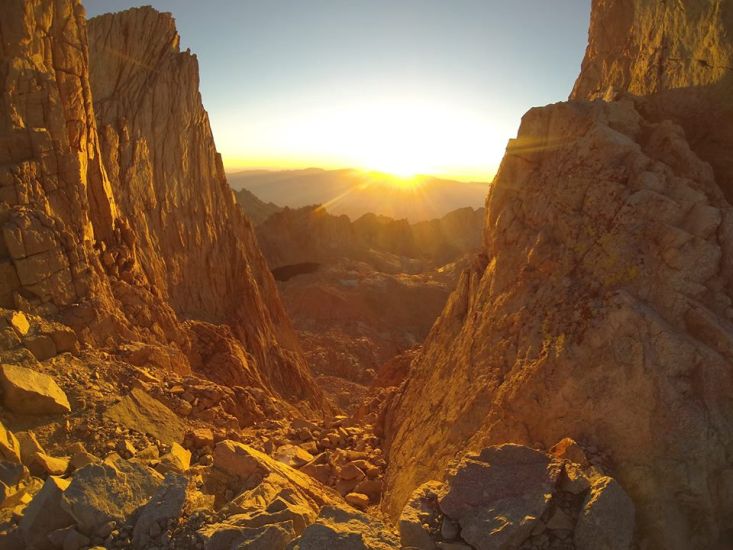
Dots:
(405, 137)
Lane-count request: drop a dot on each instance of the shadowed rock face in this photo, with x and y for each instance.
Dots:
(603, 312)
(195, 245)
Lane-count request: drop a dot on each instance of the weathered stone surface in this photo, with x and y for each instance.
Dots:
(498, 496)
(9, 445)
(607, 519)
(45, 514)
(687, 78)
(51, 465)
(420, 516)
(243, 461)
(139, 411)
(166, 504)
(596, 298)
(293, 455)
(155, 158)
(29, 446)
(100, 493)
(274, 536)
(26, 391)
(341, 529)
(178, 459)
(20, 323)
(357, 500)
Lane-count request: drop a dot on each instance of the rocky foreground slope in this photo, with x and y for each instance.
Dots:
(603, 309)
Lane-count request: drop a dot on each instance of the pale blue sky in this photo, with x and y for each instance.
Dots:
(423, 85)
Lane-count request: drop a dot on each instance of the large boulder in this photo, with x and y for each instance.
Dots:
(243, 462)
(100, 493)
(45, 514)
(141, 412)
(26, 391)
(498, 495)
(338, 528)
(510, 496)
(226, 536)
(607, 519)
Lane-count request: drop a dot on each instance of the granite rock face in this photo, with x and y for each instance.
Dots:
(603, 313)
(678, 57)
(123, 234)
(56, 199)
(195, 245)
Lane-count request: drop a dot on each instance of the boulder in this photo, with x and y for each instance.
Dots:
(26, 391)
(9, 446)
(41, 346)
(606, 521)
(351, 471)
(20, 323)
(50, 465)
(357, 500)
(272, 501)
(45, 514)
(177, 459)
(202, 437)
(143, 413)
(29, 446)
(166, 504)
(224, 536)
(242, 461)
(420, 518)
(292, 455)
(100, 493)
(498, 495)
(338, 528)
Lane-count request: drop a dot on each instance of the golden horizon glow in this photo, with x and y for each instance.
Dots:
(404, 138)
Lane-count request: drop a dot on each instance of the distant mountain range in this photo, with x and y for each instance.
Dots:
(355, 193)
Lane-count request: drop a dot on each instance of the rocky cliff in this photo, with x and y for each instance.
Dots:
(66, 250)
(95, 237)
(677, 58)
(602, 310)
(196, 247)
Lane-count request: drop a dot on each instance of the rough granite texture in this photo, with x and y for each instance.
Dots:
(195, 245)
(678, 56)
(137, 243)
(603, 311)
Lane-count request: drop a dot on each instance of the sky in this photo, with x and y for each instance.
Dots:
(401, 86)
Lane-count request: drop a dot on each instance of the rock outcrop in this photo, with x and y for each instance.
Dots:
(677, 57)
(194, 244)
(603, 308)
(511, 496)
